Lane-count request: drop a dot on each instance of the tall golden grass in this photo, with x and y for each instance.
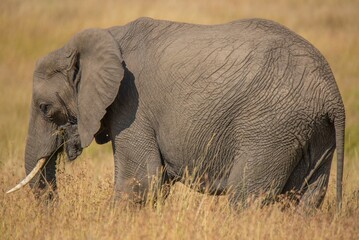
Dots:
(30, 29)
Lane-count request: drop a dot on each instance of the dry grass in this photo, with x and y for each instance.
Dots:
(32, 28)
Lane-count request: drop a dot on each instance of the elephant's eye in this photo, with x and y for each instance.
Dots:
(45, 108)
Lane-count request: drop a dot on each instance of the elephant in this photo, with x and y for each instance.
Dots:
(247, 108)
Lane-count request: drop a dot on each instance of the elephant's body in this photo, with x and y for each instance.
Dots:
(248, 106)
(243, 105)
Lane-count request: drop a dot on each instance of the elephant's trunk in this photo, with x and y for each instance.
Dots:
(46, 176)
(42, 148)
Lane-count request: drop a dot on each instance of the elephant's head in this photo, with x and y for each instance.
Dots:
(72, 87)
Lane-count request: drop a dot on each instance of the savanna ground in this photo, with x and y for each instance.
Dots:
(30, 29)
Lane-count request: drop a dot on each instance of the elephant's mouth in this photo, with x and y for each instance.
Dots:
(71, 141)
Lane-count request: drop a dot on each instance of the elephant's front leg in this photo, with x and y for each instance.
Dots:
(139, 172)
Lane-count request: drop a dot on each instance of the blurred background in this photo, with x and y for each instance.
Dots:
(30, 29)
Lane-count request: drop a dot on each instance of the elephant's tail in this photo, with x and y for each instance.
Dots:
(339, 124)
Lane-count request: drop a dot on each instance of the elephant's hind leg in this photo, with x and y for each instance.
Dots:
(260, 177)
(311, 175)
(315, 184)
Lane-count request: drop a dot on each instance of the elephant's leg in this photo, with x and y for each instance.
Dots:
(315, 183)
(310, 177)
(139, 171)
(260, 175)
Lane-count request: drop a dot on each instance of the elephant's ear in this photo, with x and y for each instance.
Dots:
(101, 70)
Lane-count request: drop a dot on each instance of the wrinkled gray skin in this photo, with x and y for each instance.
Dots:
(247, 106)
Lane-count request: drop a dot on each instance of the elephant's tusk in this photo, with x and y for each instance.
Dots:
(31, 175)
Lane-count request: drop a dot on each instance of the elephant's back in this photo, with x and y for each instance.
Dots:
(243, 63)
